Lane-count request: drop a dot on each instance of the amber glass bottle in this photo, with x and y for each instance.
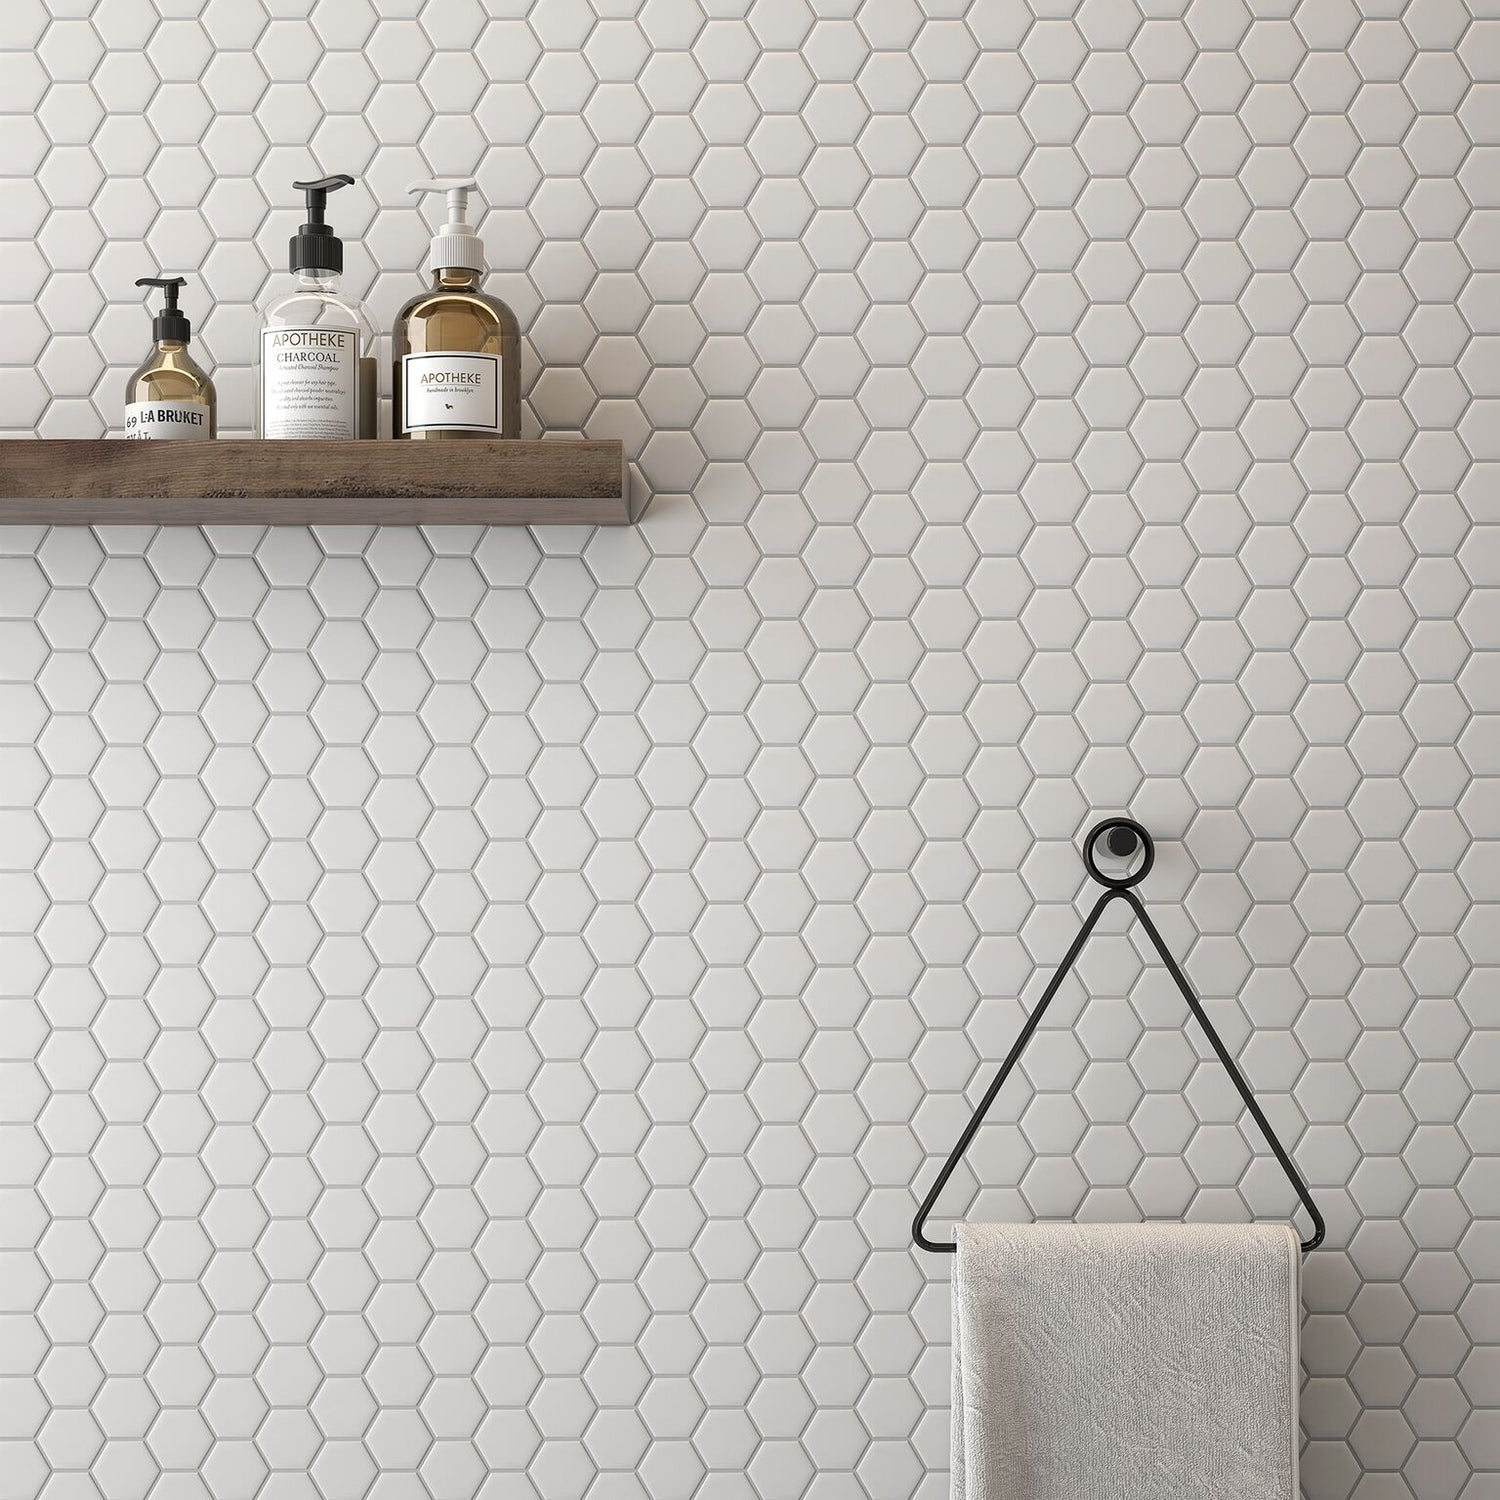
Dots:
(170, 396)
(457, 350)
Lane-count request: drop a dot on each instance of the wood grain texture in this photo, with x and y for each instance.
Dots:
(100, 483)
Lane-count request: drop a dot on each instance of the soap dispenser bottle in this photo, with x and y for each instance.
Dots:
(315, 372)
(170, 396)
(457, 350)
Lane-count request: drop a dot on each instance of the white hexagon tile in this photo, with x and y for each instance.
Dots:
(479, 1006)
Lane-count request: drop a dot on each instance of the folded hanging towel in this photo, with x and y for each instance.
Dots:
(1125, 1362)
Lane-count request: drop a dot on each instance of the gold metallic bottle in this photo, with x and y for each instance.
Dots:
(170, 396)
(457, 350)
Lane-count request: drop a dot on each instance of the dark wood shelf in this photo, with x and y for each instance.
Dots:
(521, 483)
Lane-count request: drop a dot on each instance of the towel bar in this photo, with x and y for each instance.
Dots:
(1123, 838)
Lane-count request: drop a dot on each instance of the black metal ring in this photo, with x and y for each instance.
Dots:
(1118, 882)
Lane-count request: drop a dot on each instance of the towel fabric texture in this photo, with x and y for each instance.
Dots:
(1125, 1362)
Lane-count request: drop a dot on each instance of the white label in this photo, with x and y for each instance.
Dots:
(309, 383)
(184, 420)
(450, 393)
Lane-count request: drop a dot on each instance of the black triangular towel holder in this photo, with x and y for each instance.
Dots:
(1124, 840)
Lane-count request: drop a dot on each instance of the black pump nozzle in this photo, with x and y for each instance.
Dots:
(315, 247)
(169, 323)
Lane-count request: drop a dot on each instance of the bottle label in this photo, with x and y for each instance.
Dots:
(182, 420)
(309, 383)
(450, 393)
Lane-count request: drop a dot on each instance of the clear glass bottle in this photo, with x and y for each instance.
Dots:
(456, 350)
(170, 396)
(316, 376)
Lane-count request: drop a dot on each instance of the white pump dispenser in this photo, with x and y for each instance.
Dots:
(457, 245)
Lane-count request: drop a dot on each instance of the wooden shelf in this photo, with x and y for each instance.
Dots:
(103, 483)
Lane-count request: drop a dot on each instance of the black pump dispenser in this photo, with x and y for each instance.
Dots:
(169, 323)
(315, 247)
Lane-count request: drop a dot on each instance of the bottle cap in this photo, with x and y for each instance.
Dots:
(457, 246)
(315, 247)
(169, 323)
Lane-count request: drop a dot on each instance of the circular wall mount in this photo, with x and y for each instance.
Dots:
(1122, 838)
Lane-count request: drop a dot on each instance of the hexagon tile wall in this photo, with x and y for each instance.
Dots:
(478, 1004)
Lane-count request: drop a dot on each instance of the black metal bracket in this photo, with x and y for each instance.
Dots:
(1123, 840)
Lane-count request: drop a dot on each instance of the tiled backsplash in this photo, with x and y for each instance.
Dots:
(486, 1003)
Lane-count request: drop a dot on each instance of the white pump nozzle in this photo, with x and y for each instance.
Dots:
(457, 246)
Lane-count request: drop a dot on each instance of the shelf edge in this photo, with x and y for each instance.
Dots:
(314, 511)
(234, 482)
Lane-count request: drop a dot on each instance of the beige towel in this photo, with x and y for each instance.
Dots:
(1125, 1362)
